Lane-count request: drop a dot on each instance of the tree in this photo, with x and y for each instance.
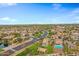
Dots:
(0, 41)
(5, 43)
(17, 34)
(19, 39)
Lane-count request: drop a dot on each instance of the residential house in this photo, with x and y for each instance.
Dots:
(45, 42)
(43, 50)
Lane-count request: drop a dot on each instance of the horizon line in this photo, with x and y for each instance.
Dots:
(41, 24)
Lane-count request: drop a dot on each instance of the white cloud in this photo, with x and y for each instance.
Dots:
(74, 15)
(70, 16)
(74, 12)
(7, 4)
(7, 19)
(56, 6)
(77, 17)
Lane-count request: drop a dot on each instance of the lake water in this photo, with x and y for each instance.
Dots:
(58, 46)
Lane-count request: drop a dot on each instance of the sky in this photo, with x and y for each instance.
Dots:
(39, 13)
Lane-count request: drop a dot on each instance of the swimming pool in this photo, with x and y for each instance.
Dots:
(58, 46)
(2, 46)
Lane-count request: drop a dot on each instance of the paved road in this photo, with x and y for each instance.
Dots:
(9, 52)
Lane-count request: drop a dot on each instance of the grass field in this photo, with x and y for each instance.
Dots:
(32, 50)
(1, 50)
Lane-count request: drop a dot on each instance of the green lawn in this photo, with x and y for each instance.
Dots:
(51, 33)
(38, 34)
(49, 49)
(1, 49)
(65, 48)
(32, 50)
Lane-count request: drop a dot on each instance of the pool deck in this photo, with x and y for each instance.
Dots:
(59, 48)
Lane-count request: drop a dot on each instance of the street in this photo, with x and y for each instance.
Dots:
(9, 52)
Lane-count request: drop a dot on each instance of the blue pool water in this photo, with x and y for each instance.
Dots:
(58, 46)
(2, 46)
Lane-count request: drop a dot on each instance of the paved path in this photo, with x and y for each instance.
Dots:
(13, 50)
